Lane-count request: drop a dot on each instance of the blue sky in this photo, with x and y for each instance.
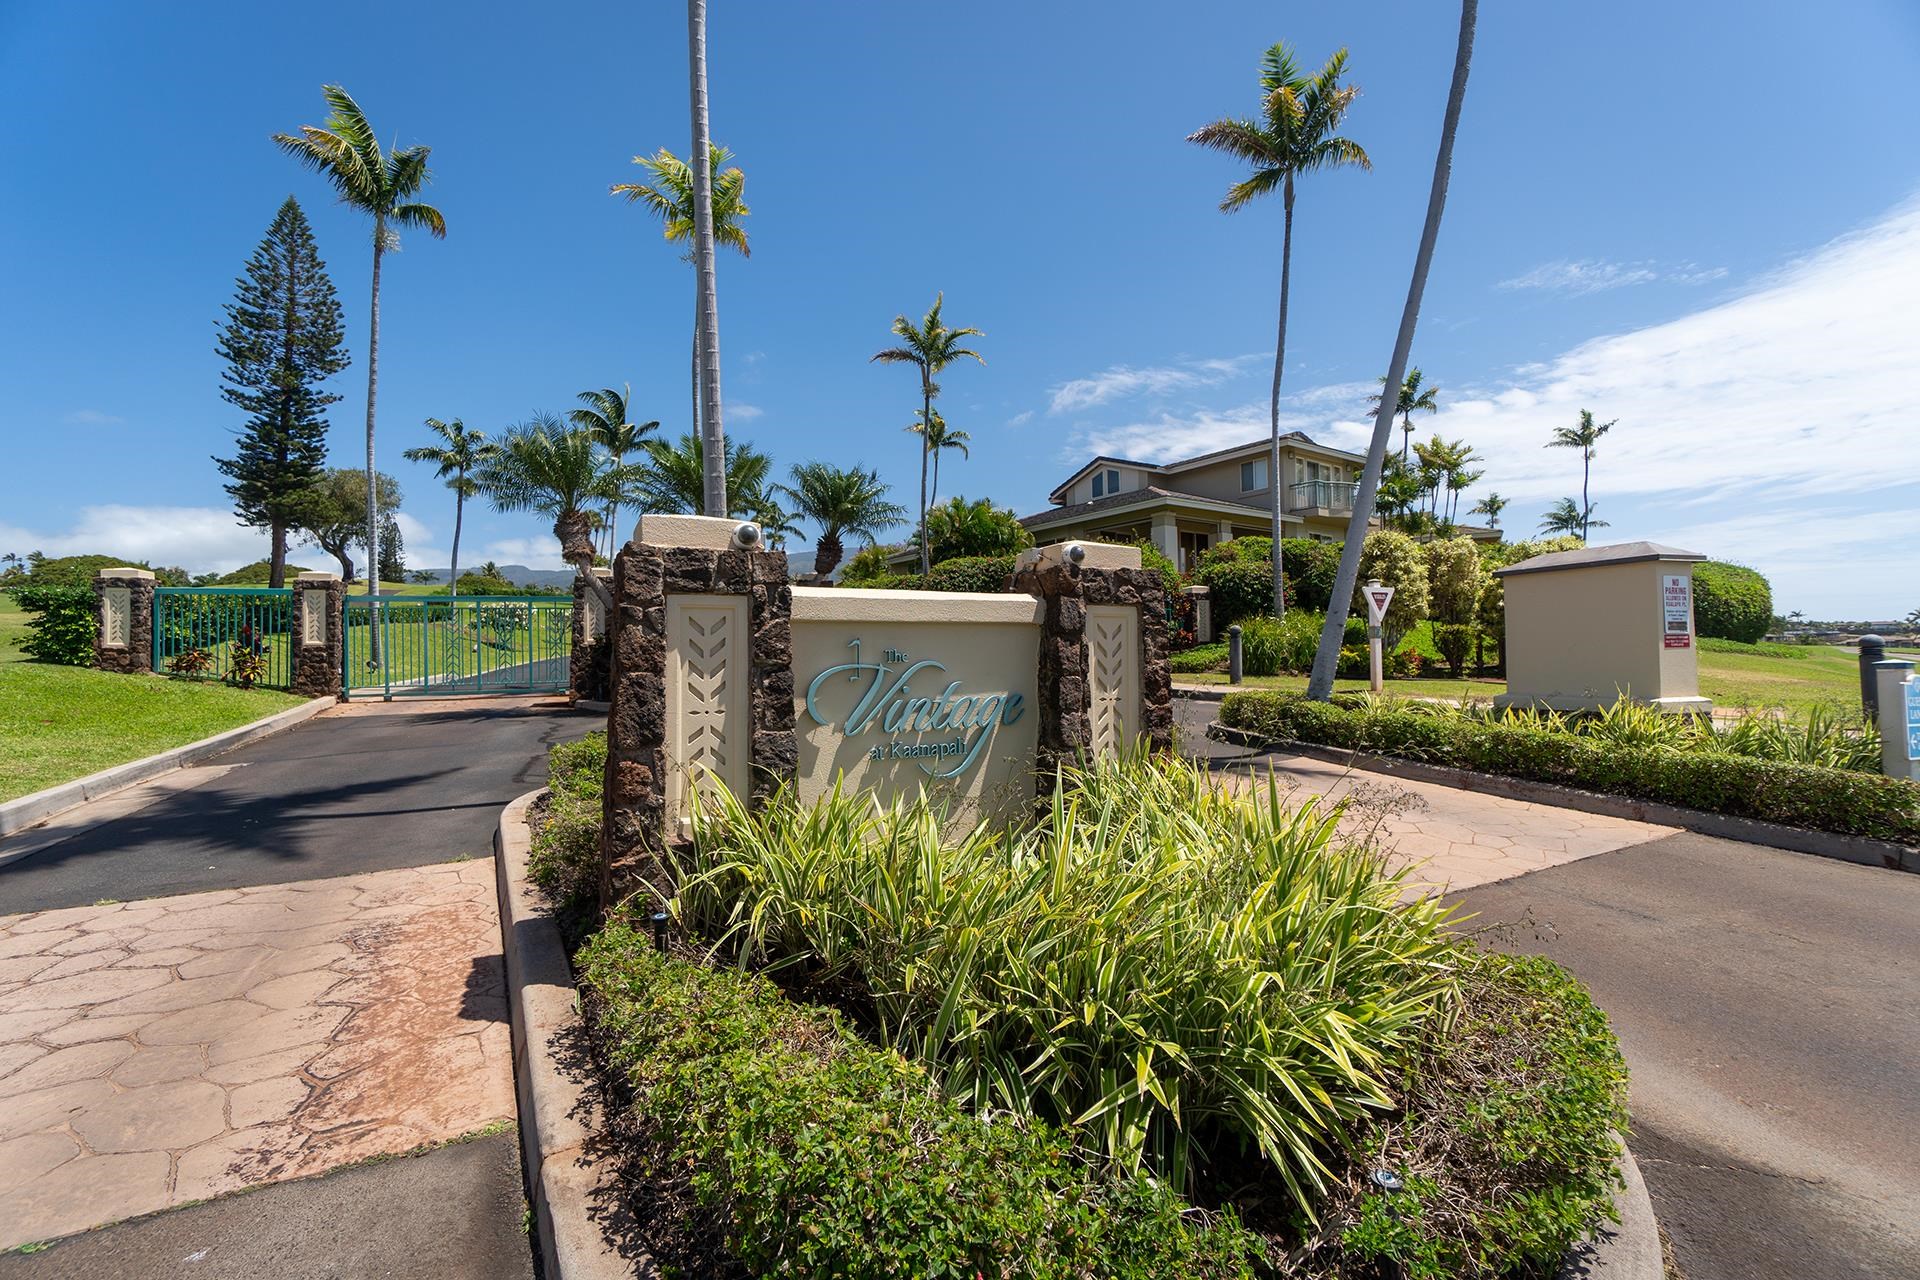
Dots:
(1700, 220)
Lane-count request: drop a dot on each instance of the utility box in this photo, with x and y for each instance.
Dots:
(1586, 628)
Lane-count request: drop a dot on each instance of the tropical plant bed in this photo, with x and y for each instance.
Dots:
(1161, 1031)
(1698, 773)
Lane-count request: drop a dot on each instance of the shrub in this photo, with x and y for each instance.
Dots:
(820, 1155)
(1396, 561)
(564, 860)
(1511, 1118)
(1454, 579)
(971, 573)
(1269, 647)
(886, 582)
(1309, 566)
(958, 528)
(1202, 657)
(1239, 575)
(867, 562)
(1731, 602)
(73, 571)
(259, 574)
(1846, 801)
(63, 623)
(1455, 643)
(485, 584)
(190, 664)
(1239, 588)
(1247, 976)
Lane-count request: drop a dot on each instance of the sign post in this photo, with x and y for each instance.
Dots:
(1378, 598)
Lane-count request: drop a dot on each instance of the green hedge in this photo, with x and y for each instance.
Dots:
(62, 627)
(1239, 576)
(1797, 795)
(821, 1155)
(1731, 602)
(971, 573)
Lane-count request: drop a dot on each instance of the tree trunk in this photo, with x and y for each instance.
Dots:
(1327, 657)
(575, 532)
(459, 509)
(1586, 510)
(1273, 405)
(277, 575)
(826, 554)
(926, 400)
(712, 433)
(373, 386)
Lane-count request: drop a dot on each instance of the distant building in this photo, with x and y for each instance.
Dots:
(1186, 506)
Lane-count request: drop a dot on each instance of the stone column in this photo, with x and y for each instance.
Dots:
(1202, 614)
(675, 570)
(588, 670)
(1166, 535)
(319, 634)
(1087, 699)
(123, 603)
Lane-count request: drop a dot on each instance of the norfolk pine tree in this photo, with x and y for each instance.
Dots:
(281, 342)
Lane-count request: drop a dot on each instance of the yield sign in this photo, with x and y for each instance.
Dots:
(1378, 598)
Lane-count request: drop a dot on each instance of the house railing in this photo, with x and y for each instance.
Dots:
(1322, 495)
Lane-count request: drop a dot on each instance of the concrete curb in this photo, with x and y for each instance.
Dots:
(1860, 850)
(556, 1118)
(29, 810)
(1206, 692)
(1629, 1251)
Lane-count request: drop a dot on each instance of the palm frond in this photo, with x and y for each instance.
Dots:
(422, 216)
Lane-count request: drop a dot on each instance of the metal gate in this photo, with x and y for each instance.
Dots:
(242, 635)
(424, 646)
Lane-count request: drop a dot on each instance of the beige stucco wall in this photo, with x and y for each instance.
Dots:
(1222, 480)
(919, 645)
(1131, 478)
(1581, 637)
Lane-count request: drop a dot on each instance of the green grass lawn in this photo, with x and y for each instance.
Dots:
(61, 723)
(13, 628)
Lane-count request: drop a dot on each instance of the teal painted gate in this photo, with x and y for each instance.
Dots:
(243, 635)
(427, 646)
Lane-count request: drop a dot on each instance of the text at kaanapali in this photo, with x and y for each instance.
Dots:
(889, 704)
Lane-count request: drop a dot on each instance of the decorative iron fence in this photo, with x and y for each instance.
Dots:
(242, 635)
(414, 646)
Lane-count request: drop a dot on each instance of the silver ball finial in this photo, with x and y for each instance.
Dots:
(746, 535)
(1076, 553)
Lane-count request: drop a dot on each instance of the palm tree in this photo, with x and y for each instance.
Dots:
(381, 185)
(462, 453)
(668, 196)
(607, 417)
(930, 347)
(1490, 506)
(1413, 399)
(1297, 133)
(1567, 516)
(1584, 438)
(978, 528)
(941, 436)
(707, 350)
(841, 502)
(672, 480)
(544, 466)
(1320, 684)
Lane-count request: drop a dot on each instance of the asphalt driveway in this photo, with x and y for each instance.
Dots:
(1766, 1004)
(366, 787)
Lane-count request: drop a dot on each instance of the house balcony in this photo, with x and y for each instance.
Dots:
(1321, 497)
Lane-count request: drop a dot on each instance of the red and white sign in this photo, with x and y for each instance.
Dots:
(1378, 598)
(1676, 611)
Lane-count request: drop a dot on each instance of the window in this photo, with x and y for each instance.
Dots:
(1106, 483)
(1253, 475)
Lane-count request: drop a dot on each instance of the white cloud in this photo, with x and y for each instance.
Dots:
(535, 553)
(1182, 435)
(1593, 275)
(1123, 381)
(201, 539)
(94, 418)
(1021, 419)
(740, 411)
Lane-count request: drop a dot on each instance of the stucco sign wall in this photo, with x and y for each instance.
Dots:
(1676, 610)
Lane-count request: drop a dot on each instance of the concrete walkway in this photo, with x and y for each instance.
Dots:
(168, 1051)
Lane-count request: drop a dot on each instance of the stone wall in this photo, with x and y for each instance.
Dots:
(319, 634)
(645, 579)
(589, 668)
(123, 616)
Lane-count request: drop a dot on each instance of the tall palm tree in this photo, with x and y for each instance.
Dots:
(712, 433)
(840, 502)
(546, 467)
(607, 415)
(1585, 438)
(668, 196)
(940, 436)
(1567, 516)
(381, 185)
(1459, 480)
(462, 453)
(1297, 132)
(1320, 683)
(930, 347)
(1413, 399)
(672, 479)
(1490, 506)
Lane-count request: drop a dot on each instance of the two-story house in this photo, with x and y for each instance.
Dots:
(1189, 505)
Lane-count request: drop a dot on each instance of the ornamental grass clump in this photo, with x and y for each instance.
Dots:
(1177, 974)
